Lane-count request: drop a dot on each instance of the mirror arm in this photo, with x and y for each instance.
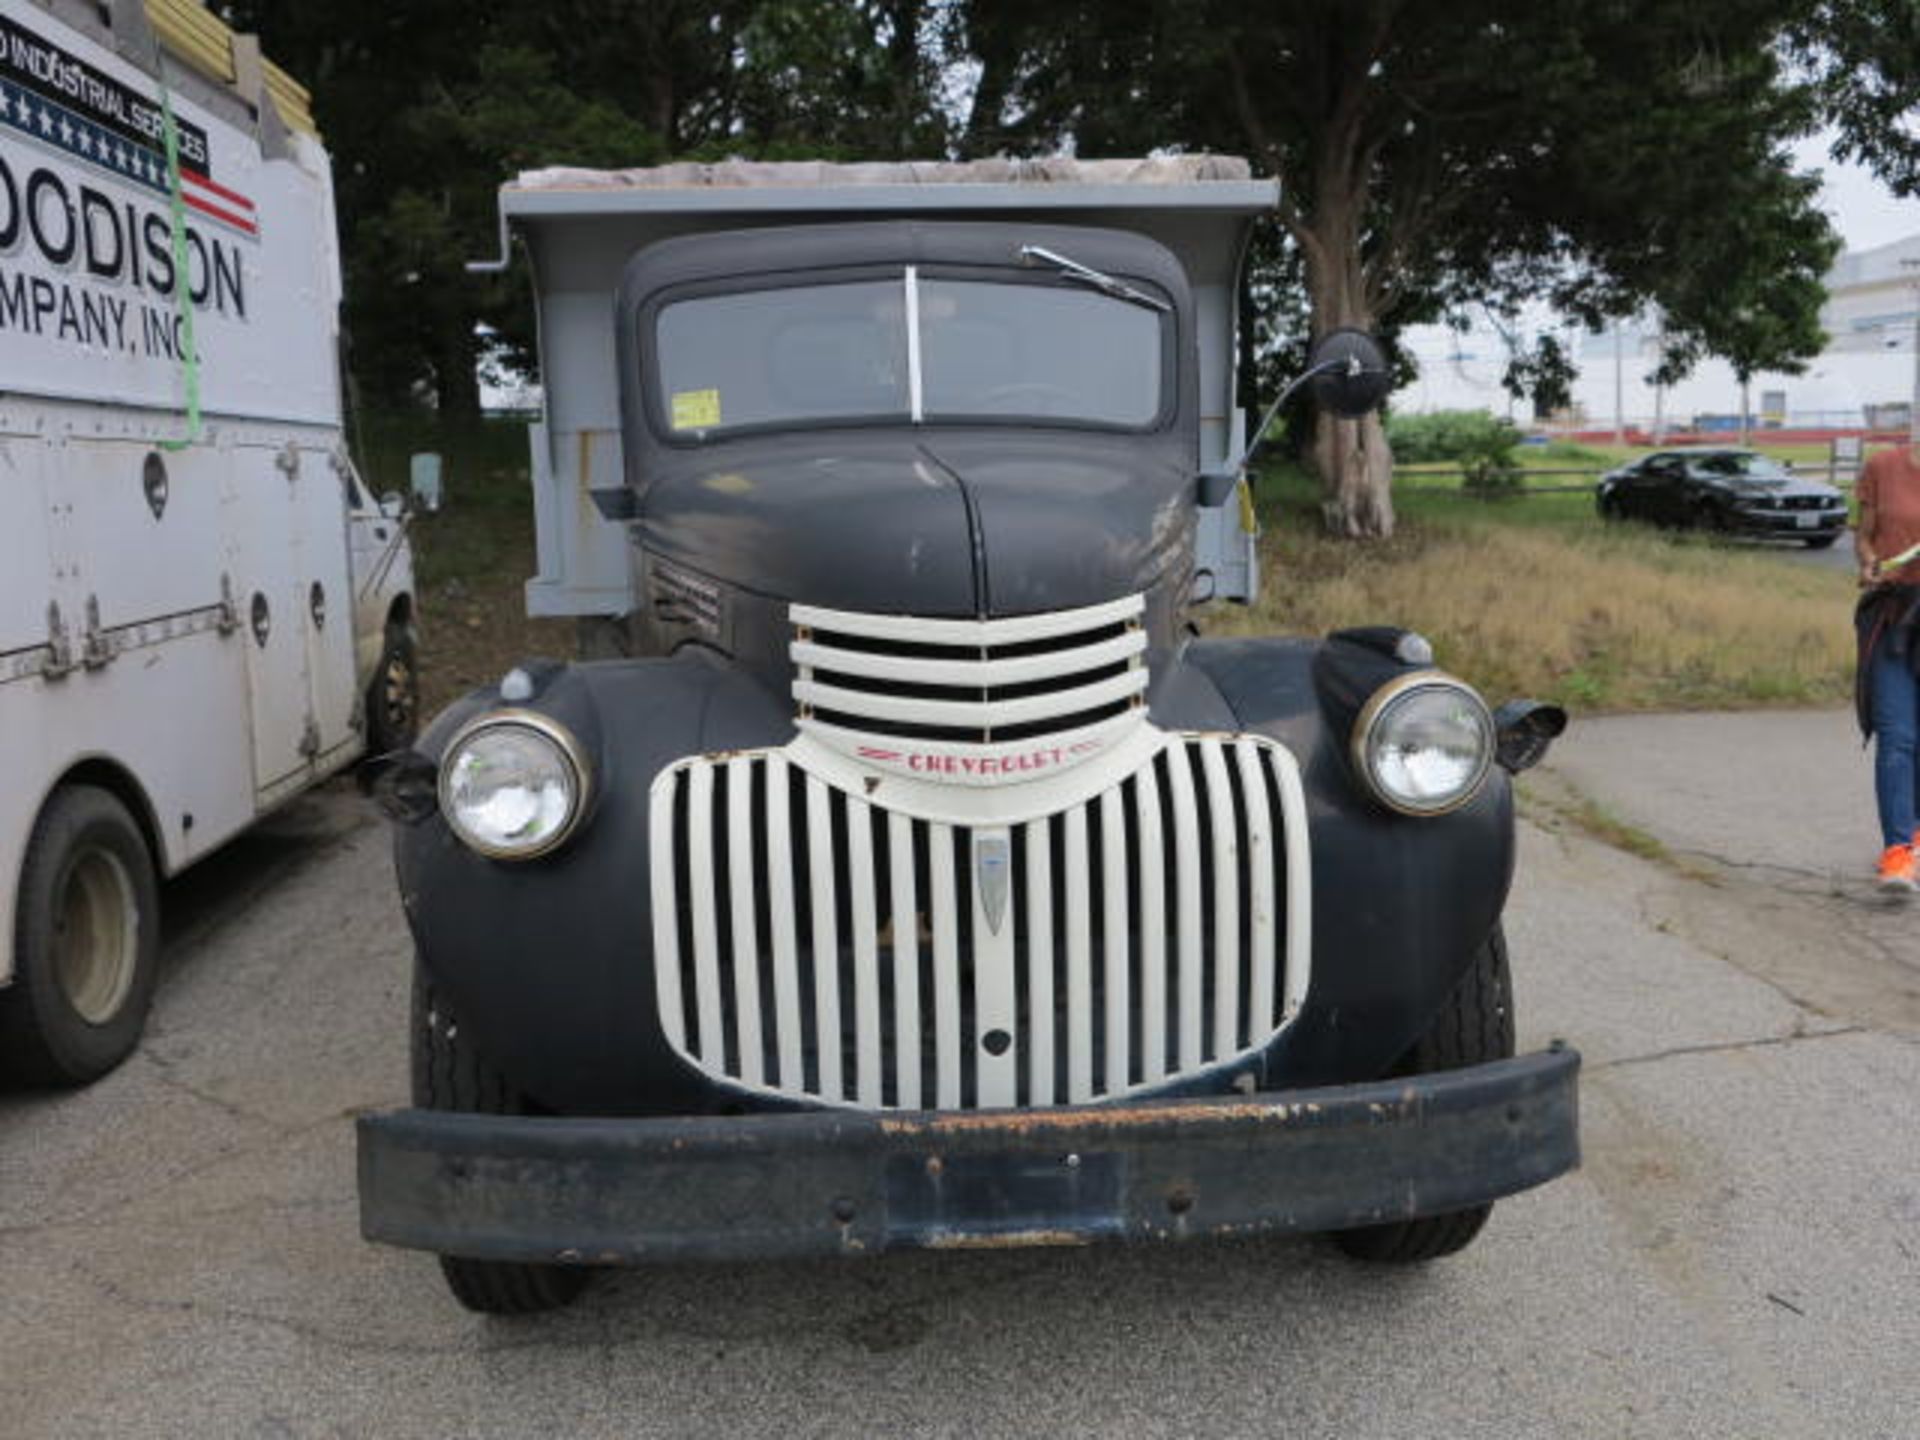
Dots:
(1273, 410)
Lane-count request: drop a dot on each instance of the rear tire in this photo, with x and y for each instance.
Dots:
(1475, 1025)
(86, 942)
(449, 1074)
(393, 695)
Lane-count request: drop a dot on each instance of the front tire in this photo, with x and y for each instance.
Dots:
(86, 942)
(1475, 1026)
(450, 1074)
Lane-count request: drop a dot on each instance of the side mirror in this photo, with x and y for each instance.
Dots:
(1350, 374)
(423, 480)
(393, 504)
(1523, 730)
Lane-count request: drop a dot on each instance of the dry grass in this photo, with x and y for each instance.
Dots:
(1532, 598)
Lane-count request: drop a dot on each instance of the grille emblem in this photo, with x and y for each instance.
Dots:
(992, 866)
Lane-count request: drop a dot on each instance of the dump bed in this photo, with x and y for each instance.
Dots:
(581, 226)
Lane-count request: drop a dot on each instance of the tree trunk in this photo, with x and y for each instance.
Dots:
(456, 382)
(1356, 475)
(903, 61)
(1352, 457)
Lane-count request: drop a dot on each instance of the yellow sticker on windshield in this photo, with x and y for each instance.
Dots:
(696, 409)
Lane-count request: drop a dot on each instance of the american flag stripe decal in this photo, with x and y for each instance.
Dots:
(203, 195)
(53, 127)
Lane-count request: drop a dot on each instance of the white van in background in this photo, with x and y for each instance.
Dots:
(202, 612)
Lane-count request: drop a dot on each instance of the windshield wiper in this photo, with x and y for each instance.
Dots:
(1099, 279)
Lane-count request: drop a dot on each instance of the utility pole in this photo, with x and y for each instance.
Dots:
(1659, 390)
(1619, 387)
(1913, 403)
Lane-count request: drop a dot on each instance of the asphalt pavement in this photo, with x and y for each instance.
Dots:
(1837, 556)
(1739, 1256)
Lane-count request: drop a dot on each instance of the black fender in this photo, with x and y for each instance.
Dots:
(546, 962)
(1401, 905)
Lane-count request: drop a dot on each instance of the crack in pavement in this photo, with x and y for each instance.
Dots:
(607, 1337)
(118, 1206)
(1675, 926)
(1723, 1047)
(463, 1344)
(163, 1071)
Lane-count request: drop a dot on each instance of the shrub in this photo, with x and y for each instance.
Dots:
(1460, 436)
(1479, 443)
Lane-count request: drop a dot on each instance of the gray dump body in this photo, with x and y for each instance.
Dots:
(580, 227)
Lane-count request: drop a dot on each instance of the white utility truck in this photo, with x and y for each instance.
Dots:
(202, 612)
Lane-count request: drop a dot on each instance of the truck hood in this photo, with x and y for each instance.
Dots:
(1779, 486)
(940, 523)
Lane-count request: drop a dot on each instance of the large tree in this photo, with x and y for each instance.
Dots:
(428, 106)
(1603, 155)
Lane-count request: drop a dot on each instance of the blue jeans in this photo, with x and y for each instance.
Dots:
(1896, 726)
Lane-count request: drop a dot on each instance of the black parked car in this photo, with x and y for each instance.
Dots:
(1740, 492)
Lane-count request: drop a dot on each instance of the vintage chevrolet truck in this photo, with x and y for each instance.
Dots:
(923, 877)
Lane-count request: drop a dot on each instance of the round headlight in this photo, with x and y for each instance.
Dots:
(513, 786)
(1423, 744)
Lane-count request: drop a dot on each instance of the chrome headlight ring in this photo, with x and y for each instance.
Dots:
(1423, 744)
(514, 784)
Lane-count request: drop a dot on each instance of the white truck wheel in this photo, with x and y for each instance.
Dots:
(86, 942)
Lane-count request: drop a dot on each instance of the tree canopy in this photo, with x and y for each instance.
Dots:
(1606, 156)
(429, 106)
(1603, 155)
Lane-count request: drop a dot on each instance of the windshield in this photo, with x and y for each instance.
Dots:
(914, 349)
(1757, 467)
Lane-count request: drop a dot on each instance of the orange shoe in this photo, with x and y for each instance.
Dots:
(1897, 871)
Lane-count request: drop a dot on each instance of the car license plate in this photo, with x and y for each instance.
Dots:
(1807, 522)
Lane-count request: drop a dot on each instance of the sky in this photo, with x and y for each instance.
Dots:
(1463, 372)
(1861, 208)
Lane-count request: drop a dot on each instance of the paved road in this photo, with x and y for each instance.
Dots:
(1740, 1255)
(1837, 556)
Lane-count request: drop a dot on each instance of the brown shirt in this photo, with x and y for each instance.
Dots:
(1890, 483)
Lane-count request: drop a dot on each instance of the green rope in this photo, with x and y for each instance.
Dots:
(182, 281)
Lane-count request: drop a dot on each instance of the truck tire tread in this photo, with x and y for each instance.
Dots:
(451, 1075)
(1474, 1026)
(44, 1039)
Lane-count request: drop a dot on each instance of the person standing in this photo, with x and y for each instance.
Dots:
(1886, 682)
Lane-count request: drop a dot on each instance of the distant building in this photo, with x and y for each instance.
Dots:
(1865, 376)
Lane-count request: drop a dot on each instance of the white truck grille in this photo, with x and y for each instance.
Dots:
(811, 944)
(968, 682)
